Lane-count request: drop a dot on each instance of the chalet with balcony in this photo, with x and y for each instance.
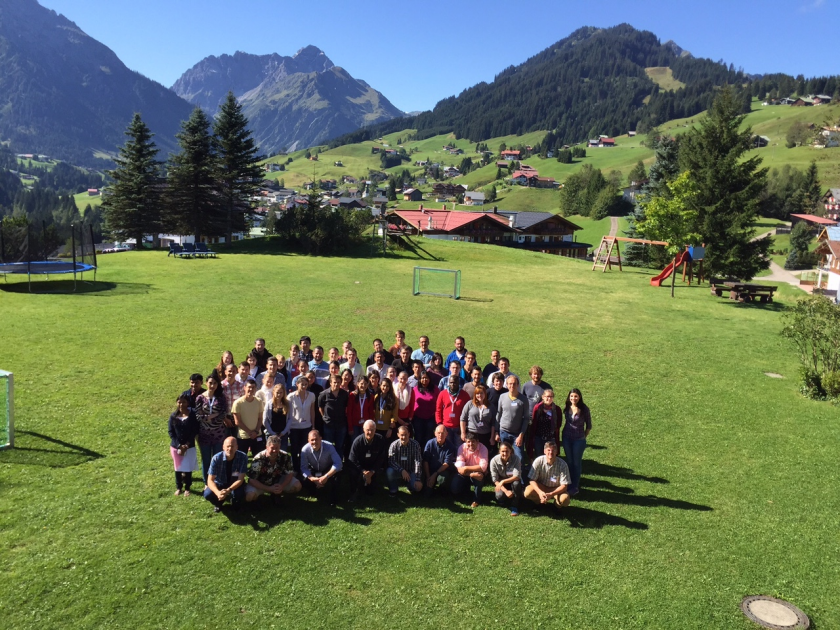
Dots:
(535, 231)
(511, 155)
(831, 203)
(828, 274)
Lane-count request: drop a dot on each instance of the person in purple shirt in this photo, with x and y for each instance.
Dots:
(576, 428)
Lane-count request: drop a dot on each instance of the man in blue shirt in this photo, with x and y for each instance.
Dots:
(318, 365)
(320, 464)
(438, 460)
(423, 354)
(226, 476)
(459, 353)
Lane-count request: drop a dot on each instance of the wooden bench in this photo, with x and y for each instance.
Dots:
(745, 291)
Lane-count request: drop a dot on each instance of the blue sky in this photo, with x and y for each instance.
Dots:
(418, 53)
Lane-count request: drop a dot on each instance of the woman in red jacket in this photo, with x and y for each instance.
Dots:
(359, 407)
(545, 424)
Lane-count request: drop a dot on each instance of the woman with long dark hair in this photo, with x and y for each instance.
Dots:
(576, 428)
(183, 429)
(211, 410)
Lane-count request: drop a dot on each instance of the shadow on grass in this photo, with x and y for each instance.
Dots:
(263, 514)
(776, 307)
(624, 498)
(274, 246)
(584, 518)
(65, 287)
(592, 467)
(36, 449)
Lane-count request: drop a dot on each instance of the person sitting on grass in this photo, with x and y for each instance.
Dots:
(439, 456)
(226, 476)
(183, 429)
(248, 416)
(471, 466)
(367, 456)
(196, 388)
(271, 473)
(405, 463)
(320, 464)
(506, 472)
(549, 479)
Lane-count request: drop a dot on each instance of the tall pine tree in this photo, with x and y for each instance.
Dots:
(131, 205)
(193, 204)
(238, 175)
(730, 189)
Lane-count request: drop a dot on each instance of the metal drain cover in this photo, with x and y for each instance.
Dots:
(777, 614)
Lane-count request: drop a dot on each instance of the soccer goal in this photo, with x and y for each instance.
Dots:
(440, 282)
(7, 405)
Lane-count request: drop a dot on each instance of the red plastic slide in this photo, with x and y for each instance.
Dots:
(656, 281)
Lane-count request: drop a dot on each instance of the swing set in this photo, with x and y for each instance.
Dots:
(610, 248)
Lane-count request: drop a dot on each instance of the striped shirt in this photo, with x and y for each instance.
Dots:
(406, 457)
(552, 476)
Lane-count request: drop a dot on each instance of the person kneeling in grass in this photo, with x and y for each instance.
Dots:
(549, 478)
(404, 463)
(471, 467)
(320, 464)
(271, 472)
(226, 476)
(506, 471)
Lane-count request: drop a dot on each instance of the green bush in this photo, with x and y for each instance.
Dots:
(830, 382)
(811, 383)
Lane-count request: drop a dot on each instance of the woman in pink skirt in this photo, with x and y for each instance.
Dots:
(183, 429)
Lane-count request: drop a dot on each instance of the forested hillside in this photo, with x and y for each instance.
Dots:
(593, 82)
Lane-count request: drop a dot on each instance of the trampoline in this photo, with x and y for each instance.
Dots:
(45, 267)
(23, 259)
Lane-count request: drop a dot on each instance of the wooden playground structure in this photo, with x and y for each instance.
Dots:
(610, 248)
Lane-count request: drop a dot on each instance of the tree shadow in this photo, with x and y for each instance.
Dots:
(32, 449)
(593, 467)
(624, 498)
(65, 287)
(585, 518)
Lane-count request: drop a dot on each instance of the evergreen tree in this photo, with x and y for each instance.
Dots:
(729, 190)
(238, 175)
(193, 204)
(638, 174)
(811, 187)
(491, 193)
(131, 204)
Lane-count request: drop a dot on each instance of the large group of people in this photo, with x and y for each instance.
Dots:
(402, 417)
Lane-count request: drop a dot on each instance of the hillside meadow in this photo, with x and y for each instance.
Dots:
(705, 480)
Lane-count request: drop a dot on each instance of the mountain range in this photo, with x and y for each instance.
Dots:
(65, 94)
(291, 102)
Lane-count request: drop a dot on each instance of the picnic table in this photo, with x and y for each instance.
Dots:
(745, 291)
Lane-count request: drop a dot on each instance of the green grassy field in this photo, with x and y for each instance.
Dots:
(83, 200)
(664, 78)
(705, 480)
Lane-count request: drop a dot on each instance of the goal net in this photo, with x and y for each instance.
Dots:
(440, 282)
(7, 428)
